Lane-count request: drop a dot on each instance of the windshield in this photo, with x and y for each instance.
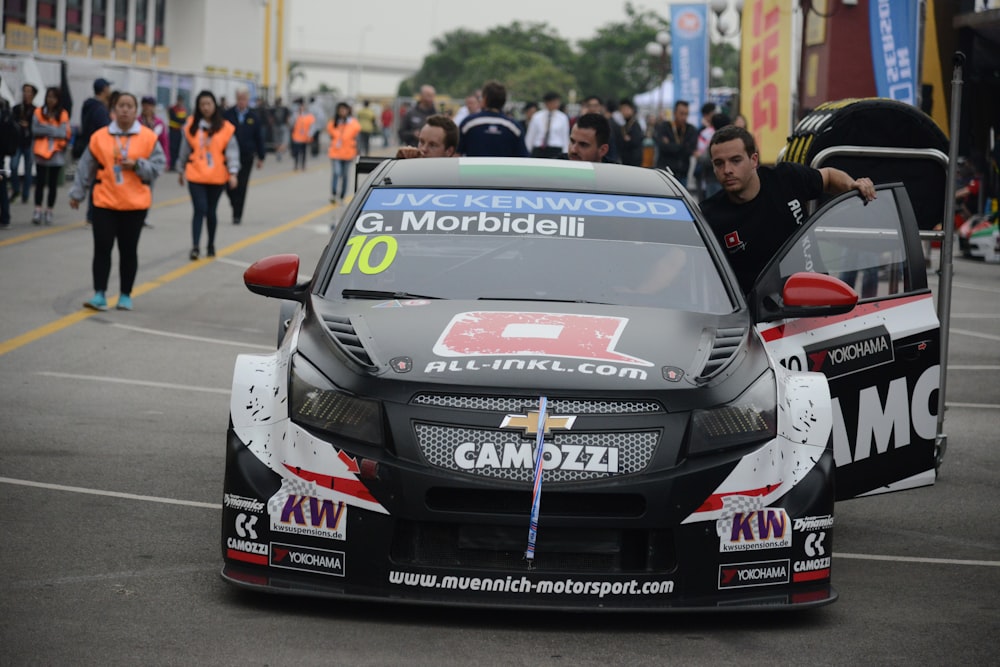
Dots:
(528, 245)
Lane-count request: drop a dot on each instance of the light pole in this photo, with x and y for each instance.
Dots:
(659, 49)
(728, 31)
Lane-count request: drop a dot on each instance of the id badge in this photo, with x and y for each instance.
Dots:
(119, 178)
(208, 160)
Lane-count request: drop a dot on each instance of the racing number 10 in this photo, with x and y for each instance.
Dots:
(360, 249)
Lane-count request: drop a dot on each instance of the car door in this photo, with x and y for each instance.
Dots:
(882, 358)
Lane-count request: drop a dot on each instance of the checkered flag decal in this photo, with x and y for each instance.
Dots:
(733, 505)
(289, 487)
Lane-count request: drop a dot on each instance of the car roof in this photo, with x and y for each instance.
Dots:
(527, 173)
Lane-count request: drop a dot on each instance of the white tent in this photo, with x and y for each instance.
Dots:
(657, 98)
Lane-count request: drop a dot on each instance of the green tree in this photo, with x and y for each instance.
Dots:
(522, 56)
(614, 63)
(726, 57)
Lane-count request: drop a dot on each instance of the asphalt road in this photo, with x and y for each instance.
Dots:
(111, 465)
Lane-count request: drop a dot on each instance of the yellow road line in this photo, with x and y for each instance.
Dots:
(69, 320)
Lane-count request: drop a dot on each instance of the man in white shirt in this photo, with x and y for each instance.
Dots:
(548, 132)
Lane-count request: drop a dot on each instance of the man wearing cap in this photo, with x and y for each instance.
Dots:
(93, 116)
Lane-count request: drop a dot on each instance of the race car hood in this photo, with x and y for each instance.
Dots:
(559, 346)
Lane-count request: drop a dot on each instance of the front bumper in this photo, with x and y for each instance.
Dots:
(416, 534)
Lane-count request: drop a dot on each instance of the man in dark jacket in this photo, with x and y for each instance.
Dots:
(93, 116)
(250, 137)
(676, 142)
(25, 151)
(631, 135)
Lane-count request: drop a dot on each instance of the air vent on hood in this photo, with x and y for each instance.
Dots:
(343, 332)
(727, 342)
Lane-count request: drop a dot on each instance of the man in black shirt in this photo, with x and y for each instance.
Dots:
(758, 208)
(250, 138)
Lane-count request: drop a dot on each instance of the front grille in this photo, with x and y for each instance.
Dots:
(508, 456)
(570, 406)
(595, 550)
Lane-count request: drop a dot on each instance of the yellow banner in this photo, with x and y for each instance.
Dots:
(100, 48)
(162, 54)
(123, 52)
(143, 54)
(76, 44)
(18, 37)
(766, 77)
(50, 42)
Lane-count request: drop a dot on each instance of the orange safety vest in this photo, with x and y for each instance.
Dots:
(123, 191)
(207, 163)
(46, 147)
(343, 139)
(303, 124)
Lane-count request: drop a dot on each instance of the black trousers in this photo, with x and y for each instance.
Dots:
(46, 176)
(125, 227)
(238, 195)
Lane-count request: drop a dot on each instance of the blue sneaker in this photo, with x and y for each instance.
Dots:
(124, 302)
(97, 302)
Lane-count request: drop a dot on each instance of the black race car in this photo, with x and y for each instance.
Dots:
(535, 383)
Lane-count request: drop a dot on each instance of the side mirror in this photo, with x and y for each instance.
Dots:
(808, 294)
(276, 276)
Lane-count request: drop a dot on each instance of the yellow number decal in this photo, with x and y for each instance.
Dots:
(360, 249)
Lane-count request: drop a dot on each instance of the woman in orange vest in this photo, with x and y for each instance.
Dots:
(210, 160)
(302, 131)
(121, 161)
(343, 129)
(50, 126)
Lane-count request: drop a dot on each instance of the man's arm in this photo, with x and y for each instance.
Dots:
(836, 182)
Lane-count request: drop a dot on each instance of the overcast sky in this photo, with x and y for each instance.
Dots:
(405, 28)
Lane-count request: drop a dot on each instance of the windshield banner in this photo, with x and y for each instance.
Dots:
(526, 202)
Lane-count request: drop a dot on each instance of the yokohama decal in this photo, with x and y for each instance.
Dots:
(482, 334)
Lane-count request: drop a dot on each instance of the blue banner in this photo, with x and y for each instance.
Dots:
(689, 54)
(893, 25)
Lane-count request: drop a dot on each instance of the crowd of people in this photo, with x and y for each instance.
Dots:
(122, 148)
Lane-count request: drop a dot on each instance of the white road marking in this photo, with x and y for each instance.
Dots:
(105, 576)
(985, 406)
(973, 367)
(142, 383)
(976, 316)
(110, 494)
(975, 334)
(200, 339)
(215, 506)
(918, 559)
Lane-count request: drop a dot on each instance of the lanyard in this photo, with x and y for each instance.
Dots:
(123, 146)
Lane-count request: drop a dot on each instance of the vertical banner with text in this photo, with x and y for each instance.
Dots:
(689, 54)
(894, 26)
(766, 74)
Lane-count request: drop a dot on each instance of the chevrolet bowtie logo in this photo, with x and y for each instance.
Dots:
(529, 423)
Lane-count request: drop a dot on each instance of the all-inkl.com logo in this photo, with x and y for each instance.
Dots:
(688, 23)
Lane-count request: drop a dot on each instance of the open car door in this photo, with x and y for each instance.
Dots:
(882, 358)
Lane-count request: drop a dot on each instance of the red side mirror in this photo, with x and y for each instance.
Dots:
(815, 290)
(280, 271)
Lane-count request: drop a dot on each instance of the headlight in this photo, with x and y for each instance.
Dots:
(318, 403)
(750, 418)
